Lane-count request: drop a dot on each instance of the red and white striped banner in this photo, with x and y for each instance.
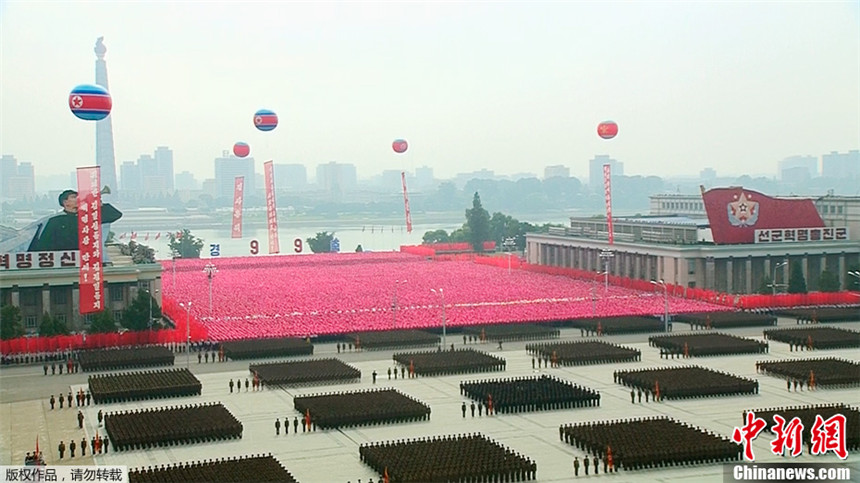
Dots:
(90, 240)
(406, 203)
(238, 189)
(271, 212)
(607, 193)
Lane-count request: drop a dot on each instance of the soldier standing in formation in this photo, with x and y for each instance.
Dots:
(83, 447)
(587, 463)
(100, 416)
(576, 466)
(277, 427)
(632, 396)
(374, 376)
(463, 408)
(80, 421)
(61, 401)
(473, 409)
(72, 446)
(389, 373)
(53, 401)
(231, 386)
(296, 425)
(62, 449)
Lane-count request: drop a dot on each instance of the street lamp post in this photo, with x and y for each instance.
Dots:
(606, 255)
(661, 283)
(394, 303)
(210, 272)
(442, 294)
(509, 244)
(150, 307)
(187, 333)
(773, 284)
(594, 294)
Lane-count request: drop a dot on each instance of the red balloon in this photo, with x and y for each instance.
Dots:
(607, 129)
(241, 149)
(399, 145)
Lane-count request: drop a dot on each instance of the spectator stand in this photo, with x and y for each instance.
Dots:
(142, 429)
(529, 394)
(638, 444)
(125, 358)
(441, 363)
(820, 315)
(807, 416)
(583, 352)
(447, 458)
(390, 339)
(725, 320)
(615, 325)
(687, 382)
(830, 372)
(511, 332)
(227, 470)
(808, 338)
(706, 344)
(375, 406)
(263, 348)
(303, 373)
(113, 388)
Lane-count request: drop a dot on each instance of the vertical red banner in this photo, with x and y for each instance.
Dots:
(406, 203)
(238, 189)
(607, 193)
(90, 240)
(271, 211)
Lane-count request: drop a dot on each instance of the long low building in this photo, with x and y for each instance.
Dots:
(744, 239)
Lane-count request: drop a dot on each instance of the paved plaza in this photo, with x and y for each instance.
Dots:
(332, 455)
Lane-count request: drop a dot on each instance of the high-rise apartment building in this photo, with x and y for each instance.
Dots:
(337, 178)
(556, 171)
(595, 170)
(798, 168)
(841, 165)
(227, 168)
(17, 180)
(290, 177)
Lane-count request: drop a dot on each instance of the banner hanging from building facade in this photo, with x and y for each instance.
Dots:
(90, 240)
(238, 190)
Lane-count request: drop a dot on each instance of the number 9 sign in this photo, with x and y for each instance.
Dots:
(297, 244)
(255, 247)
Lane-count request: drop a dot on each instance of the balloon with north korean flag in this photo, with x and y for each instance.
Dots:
(607, 129)
(265, 120)
(90, 102)
(241, 149)
(399, 146)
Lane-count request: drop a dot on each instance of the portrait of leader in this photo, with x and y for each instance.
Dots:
(61, 231)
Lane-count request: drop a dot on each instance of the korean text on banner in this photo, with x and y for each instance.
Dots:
(607, 192)
(238, 190)
(90, 240)
(271, 211)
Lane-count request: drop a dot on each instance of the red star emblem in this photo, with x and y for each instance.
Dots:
(258, 120)
(77, 102)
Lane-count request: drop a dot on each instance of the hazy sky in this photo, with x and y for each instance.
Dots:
(506, 86)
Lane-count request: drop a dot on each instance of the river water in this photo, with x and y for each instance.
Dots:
(372, 235)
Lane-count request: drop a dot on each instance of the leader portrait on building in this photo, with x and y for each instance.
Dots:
(60, 232)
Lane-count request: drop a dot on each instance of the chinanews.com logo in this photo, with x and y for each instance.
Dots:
(825, 436)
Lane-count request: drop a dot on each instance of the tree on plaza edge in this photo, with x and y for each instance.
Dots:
(478, 223)
(12, 326)
(796, 281)
(184, 244)
(321, 242)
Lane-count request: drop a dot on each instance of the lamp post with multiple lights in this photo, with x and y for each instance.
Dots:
(442, 294)
(661, 283)
(187, 333)
(210, 272)
(773, 283)
(394, 303)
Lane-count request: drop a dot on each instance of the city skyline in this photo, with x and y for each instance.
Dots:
(470, 86)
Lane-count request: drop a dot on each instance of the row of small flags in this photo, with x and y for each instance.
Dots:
(133, 235)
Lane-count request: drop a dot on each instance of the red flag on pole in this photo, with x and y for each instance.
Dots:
(385, 475)
(308, 418)
(36, 456)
